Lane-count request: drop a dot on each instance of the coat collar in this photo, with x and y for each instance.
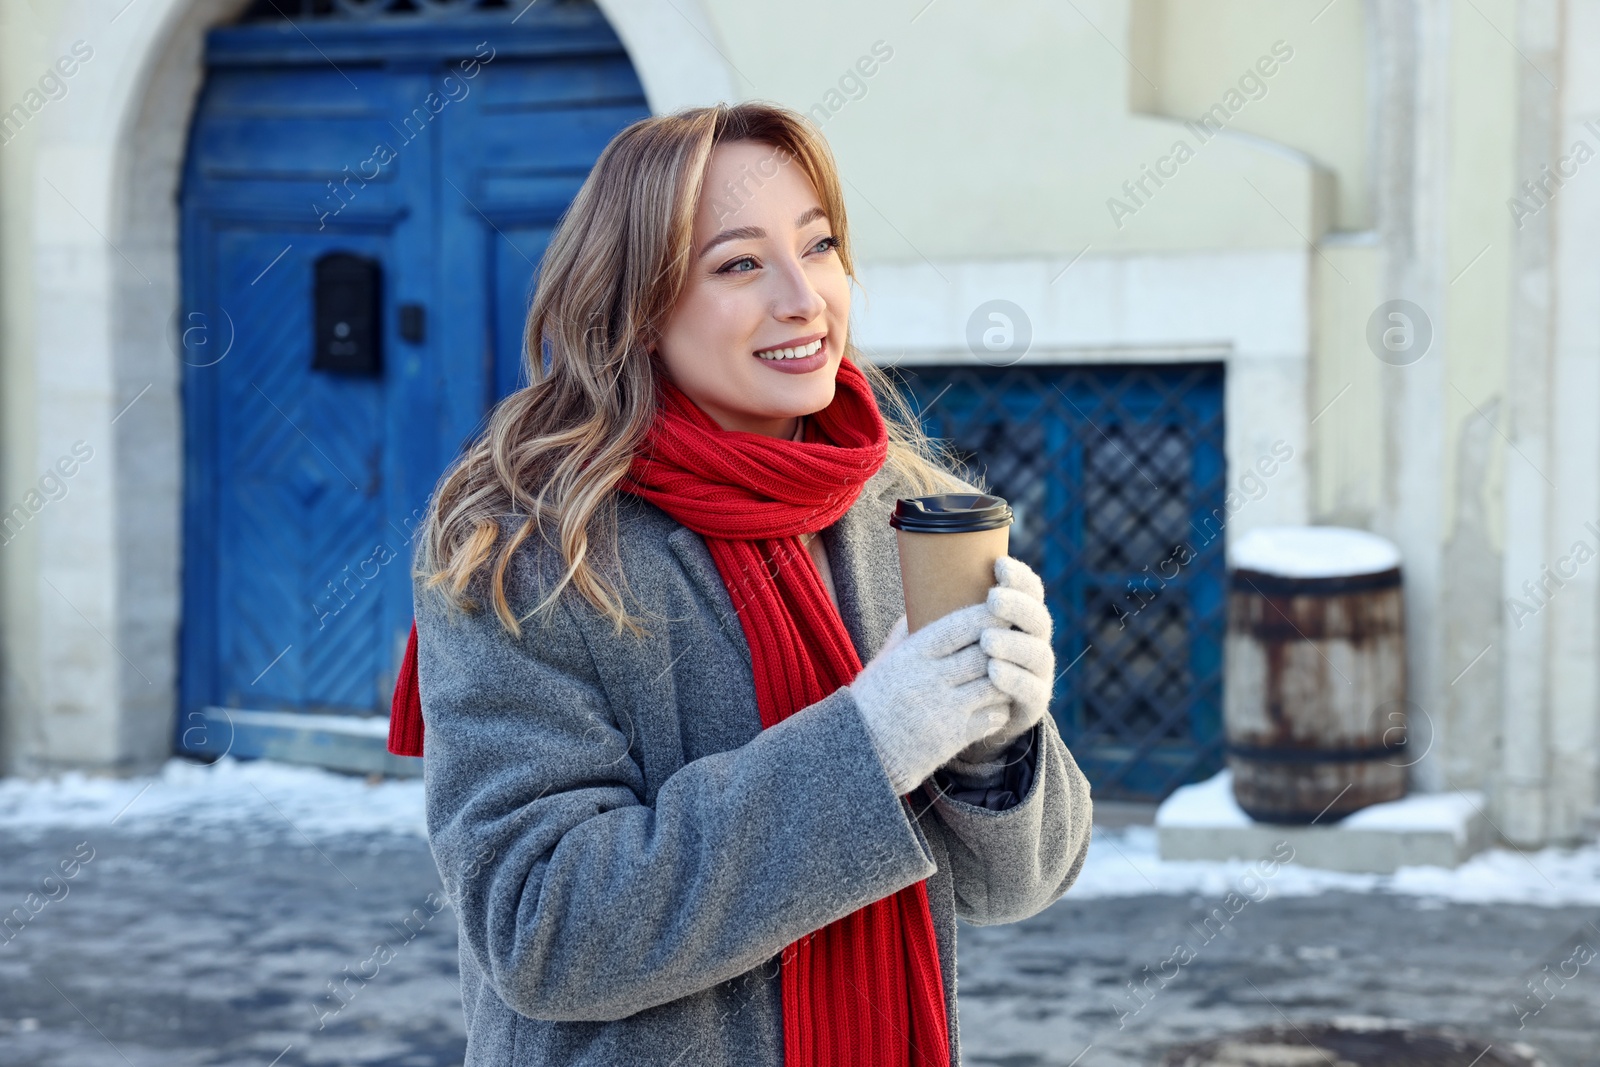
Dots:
(862, 554)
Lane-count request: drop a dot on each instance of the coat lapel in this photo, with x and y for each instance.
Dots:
(862, 555)
(697, 563)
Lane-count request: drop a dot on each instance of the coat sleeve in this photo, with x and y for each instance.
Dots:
(996, 784)
(1013, 863)
(581, 903)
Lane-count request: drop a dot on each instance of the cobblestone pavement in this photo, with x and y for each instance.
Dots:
(197, 949)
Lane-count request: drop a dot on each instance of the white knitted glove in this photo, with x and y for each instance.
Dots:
(927, 696)
(1022, 663)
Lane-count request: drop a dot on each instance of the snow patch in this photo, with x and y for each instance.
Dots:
(1128, 863)
(259, 797)
(1207, 803)
(1450, 813)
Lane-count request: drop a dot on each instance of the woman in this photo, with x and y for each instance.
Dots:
(678, 819)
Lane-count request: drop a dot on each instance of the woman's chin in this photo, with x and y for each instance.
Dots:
(805, 397)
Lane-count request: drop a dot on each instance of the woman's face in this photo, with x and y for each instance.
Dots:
(763, 279)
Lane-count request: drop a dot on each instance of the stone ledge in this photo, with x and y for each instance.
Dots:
(354, 744)
(1203, 822)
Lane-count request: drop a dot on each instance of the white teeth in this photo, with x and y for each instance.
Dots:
(793, 353)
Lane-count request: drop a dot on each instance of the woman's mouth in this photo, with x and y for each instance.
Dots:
(796, 359)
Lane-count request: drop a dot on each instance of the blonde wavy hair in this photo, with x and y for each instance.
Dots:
(553, 452)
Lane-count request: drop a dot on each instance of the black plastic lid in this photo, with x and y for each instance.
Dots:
(950, 513)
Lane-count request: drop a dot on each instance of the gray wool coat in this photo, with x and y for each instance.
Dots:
(628, 852)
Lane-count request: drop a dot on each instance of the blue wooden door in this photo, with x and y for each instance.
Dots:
(441, 149)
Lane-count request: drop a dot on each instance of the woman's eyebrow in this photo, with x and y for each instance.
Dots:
(754, 233)
(738, 233)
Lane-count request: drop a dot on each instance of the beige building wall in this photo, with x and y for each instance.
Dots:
(1317, 103)
(1001, 130)
(1481, 151)
(25, 33)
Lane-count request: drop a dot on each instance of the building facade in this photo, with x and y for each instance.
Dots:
(1168, 271)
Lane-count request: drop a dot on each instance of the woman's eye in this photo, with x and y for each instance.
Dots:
(827, 244)
(730, 267)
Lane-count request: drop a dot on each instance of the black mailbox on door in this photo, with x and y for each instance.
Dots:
(348, 294)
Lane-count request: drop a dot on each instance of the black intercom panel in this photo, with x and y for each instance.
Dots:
(348, 293)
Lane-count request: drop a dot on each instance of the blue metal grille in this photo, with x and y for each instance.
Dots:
(1116, 475)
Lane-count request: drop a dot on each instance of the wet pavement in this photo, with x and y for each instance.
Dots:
(175, 952)
(1041, 992)
(273, 948)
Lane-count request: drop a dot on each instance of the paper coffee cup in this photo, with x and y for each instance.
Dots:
(948, 546)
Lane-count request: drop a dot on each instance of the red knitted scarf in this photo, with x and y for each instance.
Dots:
(866, 989)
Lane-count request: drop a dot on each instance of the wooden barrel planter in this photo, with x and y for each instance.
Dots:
(1314, 710)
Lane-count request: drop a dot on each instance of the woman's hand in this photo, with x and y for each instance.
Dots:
(926, 697)
(897, 633)
(1022, 663)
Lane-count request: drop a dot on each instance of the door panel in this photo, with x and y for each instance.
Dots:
(302, 450)
(516, 154)
(514, 254)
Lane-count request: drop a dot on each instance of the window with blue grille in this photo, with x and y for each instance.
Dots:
(1116, 476)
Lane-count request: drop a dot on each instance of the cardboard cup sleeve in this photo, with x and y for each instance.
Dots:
(945, 563)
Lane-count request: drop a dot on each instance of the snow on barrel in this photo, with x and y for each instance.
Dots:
(1314, 709)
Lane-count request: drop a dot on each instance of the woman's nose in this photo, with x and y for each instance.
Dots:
(797, 297)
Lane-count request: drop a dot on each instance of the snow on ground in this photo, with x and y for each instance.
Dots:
(1128, 862)
(245, 798)
(231, 795)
